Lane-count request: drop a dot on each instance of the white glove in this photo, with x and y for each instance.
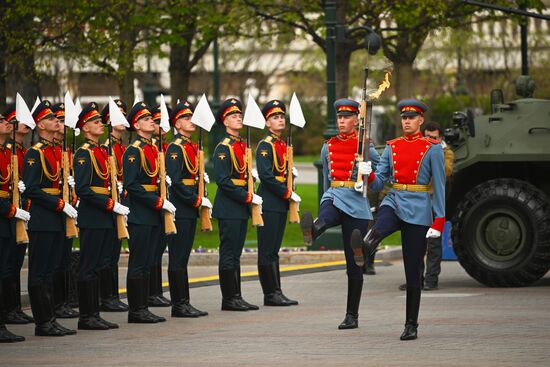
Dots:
(433, 233)
(257, 199)
(206, 178)
(70, 211)
(206, 202)
(22, 214)
(21, 186)
(168, 181)
(169, 207)
(120, 187)
(121, 209)
(358, 186)
(255, 175)
(70, 181)
(295, 197)
(364, 168)
(294, 172)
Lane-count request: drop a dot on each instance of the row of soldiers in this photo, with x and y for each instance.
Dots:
(93, 209)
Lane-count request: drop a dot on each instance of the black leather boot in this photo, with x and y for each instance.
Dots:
(88, 319)
(11, 299)
(43, 312)
(18, 300)
(146, 282)
(60, 297)
(357, 246)
(413, 307)
(239, 296)
(156, 298)
(268, 280)
(6, 336)
(228, 286)
(136, 311)
(279, 290)
(372, 240)
(355, 287)
(109, 302)
(95, 298)
(311, 229)
(179, 293)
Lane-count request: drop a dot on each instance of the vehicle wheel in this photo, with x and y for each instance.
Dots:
(501, 233)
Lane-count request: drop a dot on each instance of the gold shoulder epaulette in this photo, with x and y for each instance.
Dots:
(226, 141)
(8, 146)
(136, 143)
(38, 145)
(178, 141)
(85, 146)
(105, 143)
(268, 139)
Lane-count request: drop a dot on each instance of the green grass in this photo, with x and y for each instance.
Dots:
(306, 158)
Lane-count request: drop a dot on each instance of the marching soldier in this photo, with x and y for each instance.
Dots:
(141, 172)
(41, 174)
(409, 163)
(108, 277)
(342, 202)
(61, 273)
(272, 169)
(231, 206)
(183, 169)
(12, 284)
(156, 297)
(96, 221)
(7, 212)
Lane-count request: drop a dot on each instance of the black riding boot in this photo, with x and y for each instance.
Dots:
(89, 316)
(250, 306)
(136, 310)
(5, 335)
(268, 280)
(413, 307)
(146, 282)
(355, 287)
(109, 302)
(228, 286)
(114, 285)
(12, 302)
(43, 312)
(60, 296)
(156, 298)
(311, 229)
(369, 264)
(179, 293)
(279, 290)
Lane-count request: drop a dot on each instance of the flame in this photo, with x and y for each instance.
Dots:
(382, 87)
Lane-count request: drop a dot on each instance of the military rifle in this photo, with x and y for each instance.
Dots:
(169, 224)
(21, 235)
(70, 231)
(365, 118)
(206, 223)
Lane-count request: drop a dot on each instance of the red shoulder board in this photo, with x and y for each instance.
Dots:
(431, 140)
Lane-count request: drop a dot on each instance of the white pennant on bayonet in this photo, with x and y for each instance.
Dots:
(295, 113)
(36, 103)
(164, 116)
(78, 105)
(115, 114)
(136, 101)
(203, 116)
(22, 113)
(253, 116)
(71, 112)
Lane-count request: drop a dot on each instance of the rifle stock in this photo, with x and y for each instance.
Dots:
(21, 235)
(206, 223)
(257, 220)
(293, 208)
(70, 231)
(121, 229)
(169, 225)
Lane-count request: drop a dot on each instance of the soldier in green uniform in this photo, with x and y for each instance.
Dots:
(182, 168)
(108, 277)
(8, 212)
(41, 174)
(141, 171)
(272, 170)
(231, 206)
(95, 213)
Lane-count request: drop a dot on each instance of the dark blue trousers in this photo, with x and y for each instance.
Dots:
(413, 242)
(270, 236)
(143, 242)
(333, 216)
(180, 245)
(232, 237)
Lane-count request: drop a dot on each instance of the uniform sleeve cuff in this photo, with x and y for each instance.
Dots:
(198, 202)
(74, 200)
(287, 194)
(159, 204)
(11, 212)
(248, 198)
(110, 205)
(438, 224)
(372, 176)
(60, 205)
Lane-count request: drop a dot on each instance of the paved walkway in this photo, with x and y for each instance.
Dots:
(462, 324)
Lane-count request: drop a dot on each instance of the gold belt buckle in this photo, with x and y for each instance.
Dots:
(405, 187)
(341, 183)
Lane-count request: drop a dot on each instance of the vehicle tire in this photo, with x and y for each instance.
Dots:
(501, 233)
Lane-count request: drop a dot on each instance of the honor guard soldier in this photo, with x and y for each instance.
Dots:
(8, 212)
(182, 167)
(12, 283)
(95, 213)
(61, 273)
(342, 202)
(409, 163)
(108, 277)
(271, 166)
(231, 206)
(41, 174)
(141, 172)
(156, 297)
